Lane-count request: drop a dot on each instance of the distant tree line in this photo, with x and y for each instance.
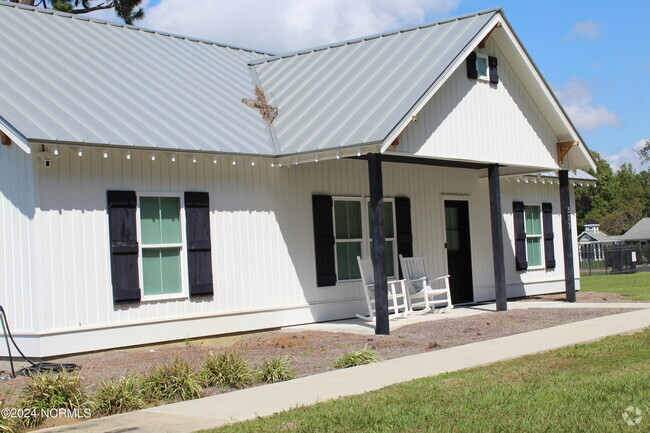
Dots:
(127, 10)
(619, 199)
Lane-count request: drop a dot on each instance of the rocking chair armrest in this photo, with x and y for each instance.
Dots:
(417, 279)
(440, 278)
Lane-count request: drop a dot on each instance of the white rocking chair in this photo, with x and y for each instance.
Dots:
(397, 299)
(420, 293)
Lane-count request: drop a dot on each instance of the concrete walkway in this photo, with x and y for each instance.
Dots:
(218, 410)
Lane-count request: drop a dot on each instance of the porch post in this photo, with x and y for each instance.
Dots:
(378, 243)
(496, 218)
(567, 242)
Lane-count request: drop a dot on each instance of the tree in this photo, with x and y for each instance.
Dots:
(644, 152)
(127, 10)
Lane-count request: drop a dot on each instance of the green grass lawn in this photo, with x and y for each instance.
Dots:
(634, 286)
(583, 388)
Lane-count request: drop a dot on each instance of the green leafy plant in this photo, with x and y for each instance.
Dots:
(119, 396)
(356, 357)
(172, 381)
(275, 370)
(228, 369)
(52, 391)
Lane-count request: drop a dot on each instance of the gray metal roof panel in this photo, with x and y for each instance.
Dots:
(639, 231)
(349, 93)
(75, 79)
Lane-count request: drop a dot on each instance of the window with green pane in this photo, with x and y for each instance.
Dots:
(389, 234)
(349, 234)
(533, 235)
(160, 229)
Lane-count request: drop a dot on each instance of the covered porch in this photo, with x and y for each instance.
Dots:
(458, 212)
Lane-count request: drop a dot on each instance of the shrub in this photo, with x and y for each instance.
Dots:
(228, 369)
(276, 370)
(356, 357)
(7, 424)
(172, 381)
(119, 396)
(52, 391)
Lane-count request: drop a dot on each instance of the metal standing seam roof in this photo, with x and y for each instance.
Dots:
(73, 79)
(639, 231)
(355, 92)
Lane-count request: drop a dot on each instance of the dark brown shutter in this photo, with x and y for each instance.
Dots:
(199, 244)
(122, 227)
(547, 220)
(404, 228)
(520, 235)
(472, 71)
(324, 240)
(492, 65)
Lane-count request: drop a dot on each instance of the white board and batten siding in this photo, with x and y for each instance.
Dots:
(262, 243)
(17, 241)
(474, 120)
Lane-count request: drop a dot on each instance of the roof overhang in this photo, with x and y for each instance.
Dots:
(499, 28)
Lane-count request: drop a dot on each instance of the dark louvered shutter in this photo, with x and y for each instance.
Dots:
(520, 235)
(324, 240)
(494, 74)
(404, 228)
(547, 220)
(199, 245)
(472, 71)
(122, 227)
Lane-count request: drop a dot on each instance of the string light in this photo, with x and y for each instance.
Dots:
(234, 161)
(338, 155)
(214, 159)
(128, 154)
(173, 158)
(153, 156)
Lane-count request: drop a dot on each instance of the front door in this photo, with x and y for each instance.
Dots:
(459, 257)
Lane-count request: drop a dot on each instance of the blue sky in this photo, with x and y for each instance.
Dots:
(595, 54)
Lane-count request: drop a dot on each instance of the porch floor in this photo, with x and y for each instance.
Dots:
(363, 327)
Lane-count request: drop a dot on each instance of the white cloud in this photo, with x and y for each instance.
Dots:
(285, 25)
(629, 154)
(577, 101)
(589, 30)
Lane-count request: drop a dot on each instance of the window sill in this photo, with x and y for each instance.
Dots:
(536, 268)
(158, 298)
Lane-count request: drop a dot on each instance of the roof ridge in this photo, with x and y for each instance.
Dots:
(373, 36)
(128, 26)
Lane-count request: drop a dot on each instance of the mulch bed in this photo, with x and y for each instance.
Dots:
(581, 296)
(314, 352)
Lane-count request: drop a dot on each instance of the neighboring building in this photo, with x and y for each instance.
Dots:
(149, 193)
(592, 243)
(639, 234)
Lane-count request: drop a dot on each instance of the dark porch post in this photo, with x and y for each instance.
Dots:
(496, 218)
(567, 242)
(378, 243)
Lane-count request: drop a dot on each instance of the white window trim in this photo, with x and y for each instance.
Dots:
(184, 293)
(540, 236)
(485, 77)
(365, 232)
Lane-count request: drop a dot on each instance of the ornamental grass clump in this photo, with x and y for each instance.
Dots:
(357, 357)
(172, 381)
(119, 396)
(8, 424)
(48, 391)
(275, 370)
(227, 369)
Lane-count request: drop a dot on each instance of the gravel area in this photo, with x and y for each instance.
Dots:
(581, 296)
(312, 351)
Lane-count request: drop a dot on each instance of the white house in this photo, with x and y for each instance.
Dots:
(592, 243)
(158, 187)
